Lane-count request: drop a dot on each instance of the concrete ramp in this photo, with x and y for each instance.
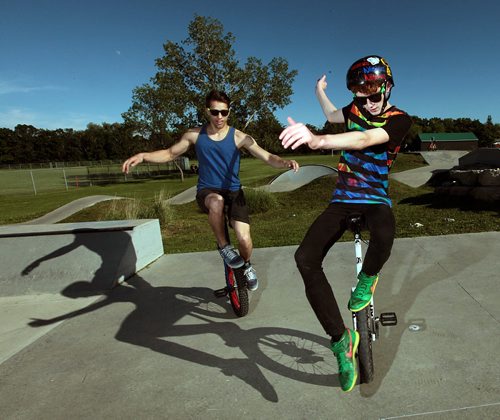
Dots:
(290, 180)
(67, 210)
(440, 159)
(81, 259)
(443, 159)
(184, 197)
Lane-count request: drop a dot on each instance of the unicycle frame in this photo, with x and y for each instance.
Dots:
(236, 285)
(364, 321)
(358, 250)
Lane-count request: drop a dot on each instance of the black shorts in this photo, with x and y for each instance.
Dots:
(234, 201)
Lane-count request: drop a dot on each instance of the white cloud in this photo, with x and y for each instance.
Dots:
(15, 87)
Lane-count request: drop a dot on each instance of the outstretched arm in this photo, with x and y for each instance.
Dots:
(331, 112)
(247, 142)
(166, 155)
(297, 134)
(36, 322)
(54, 254)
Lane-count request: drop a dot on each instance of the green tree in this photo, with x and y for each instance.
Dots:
(266, 130)
(175, 97)
(7, 144)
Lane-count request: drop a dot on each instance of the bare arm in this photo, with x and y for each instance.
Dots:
(247, 142)
(166, 155)
(331, 112)
(297, 134)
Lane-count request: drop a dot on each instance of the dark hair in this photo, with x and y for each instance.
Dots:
(219, 96)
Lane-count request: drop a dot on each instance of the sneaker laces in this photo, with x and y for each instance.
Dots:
(361, 289)
(227, 252)
(250, 271)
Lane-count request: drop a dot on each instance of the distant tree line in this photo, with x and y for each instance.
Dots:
(28, 144)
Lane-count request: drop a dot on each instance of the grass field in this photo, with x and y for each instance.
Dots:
(284, 223)
(42, 180)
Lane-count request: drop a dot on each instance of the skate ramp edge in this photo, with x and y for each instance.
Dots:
(81, 258)
(290, 180)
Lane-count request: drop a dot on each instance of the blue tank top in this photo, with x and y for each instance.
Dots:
(219, 162)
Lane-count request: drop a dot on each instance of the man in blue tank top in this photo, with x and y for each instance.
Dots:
(374, 132)
(218, 147)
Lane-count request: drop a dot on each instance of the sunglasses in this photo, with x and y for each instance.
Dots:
(215, 112)
(362, 100)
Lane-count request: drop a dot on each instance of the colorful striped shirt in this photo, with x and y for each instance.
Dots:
(363, 175)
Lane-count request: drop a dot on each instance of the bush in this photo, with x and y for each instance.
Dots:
(131, 209)
(122, 209)
(260, 201)
(161, 209)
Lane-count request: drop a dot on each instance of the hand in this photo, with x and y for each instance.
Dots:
(29, 268)
(297, 134)
(131, 162)
(36, 322)
(292, 164)
(321, 83)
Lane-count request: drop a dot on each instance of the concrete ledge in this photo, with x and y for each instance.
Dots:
(76, 259)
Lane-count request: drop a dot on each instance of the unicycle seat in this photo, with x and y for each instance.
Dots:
(355, 222)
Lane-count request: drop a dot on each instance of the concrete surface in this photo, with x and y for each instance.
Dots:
(49, 258)
(440, 159)
(161, 346)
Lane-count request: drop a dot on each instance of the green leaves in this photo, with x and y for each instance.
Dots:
(206, 60)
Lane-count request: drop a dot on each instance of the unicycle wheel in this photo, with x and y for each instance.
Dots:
(237, 290)
(365, 355)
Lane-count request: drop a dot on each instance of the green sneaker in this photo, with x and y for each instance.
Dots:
(345, 351)
(361, 296)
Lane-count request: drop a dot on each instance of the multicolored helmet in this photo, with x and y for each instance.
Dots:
(369, 68)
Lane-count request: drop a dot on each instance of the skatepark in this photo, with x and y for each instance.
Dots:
(158, 344)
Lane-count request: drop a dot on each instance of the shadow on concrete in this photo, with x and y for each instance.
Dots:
(117, 255)
(387, 347)
(158, 319)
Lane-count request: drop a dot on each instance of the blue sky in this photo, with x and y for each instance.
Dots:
(66, 63)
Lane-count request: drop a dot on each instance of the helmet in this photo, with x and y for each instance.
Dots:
(370, 68)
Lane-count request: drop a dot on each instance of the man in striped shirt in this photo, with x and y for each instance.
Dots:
(374, 132)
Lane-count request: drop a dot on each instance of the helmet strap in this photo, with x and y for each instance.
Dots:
(387, 95)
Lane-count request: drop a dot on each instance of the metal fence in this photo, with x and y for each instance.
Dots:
(60, 175)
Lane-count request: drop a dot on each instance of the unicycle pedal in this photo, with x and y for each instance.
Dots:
(221, 292)
(388, 319)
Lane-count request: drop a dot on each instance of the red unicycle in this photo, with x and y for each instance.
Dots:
(236, 284)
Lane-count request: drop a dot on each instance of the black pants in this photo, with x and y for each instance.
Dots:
(327, 229)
